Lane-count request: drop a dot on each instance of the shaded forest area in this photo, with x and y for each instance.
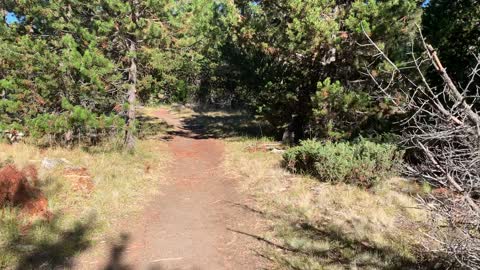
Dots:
(73, 71)
(358, 90)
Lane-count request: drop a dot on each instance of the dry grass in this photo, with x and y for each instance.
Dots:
(122, 184)
(179, 110)
(325, 226)
(315, 225)
(231, 125)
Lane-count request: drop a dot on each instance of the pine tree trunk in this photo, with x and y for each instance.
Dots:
(132, 99)
(132, 80)
(3, 15)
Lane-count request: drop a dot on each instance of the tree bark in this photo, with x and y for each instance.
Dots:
(132, 99)
(132, 80)
(3, 15)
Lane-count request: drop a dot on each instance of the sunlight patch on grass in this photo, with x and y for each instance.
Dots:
(122, 183)
(325, 226)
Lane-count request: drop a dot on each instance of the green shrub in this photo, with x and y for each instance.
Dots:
(363, 163)
(70, 125)
(81, 124)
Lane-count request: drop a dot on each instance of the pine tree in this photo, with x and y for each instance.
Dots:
(132, 79)
(453, 28)
(293, 49)
(137, 32)
(89, 54)
(53, 55)
(298, 63)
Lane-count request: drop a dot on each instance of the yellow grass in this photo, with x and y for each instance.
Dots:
(122, 184)
(325, 226)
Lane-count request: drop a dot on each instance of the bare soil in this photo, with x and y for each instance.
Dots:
(17, 190)
(198, 221)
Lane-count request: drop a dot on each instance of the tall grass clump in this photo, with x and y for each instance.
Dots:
(364, 163)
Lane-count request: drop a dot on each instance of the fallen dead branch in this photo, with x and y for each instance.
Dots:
(442, 131)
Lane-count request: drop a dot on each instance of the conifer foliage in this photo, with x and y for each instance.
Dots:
(75, 70)
(57, 83)
(305, 61)
(453, 27)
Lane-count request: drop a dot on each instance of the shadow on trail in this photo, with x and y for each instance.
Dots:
(149, 126)
(59, 247)
(117, 257)
(117, 252)
(223, 125)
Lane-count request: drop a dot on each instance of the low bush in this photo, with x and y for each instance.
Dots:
(75, 124)
(363, 163)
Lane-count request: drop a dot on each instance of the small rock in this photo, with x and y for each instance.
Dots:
(277, 151)
(51, 163)
(178, 107)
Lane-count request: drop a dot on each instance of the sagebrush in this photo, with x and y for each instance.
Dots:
(363, 163)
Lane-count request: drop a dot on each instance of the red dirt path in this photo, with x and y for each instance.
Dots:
(190, 224)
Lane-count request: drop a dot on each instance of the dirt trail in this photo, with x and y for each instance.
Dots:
(191, 224)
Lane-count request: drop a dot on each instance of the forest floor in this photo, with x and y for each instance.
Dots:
(197, 221)
(203, 192)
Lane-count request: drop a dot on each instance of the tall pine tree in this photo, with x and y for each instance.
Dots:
(303, 61)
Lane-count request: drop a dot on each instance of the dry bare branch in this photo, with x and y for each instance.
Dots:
(442, 131)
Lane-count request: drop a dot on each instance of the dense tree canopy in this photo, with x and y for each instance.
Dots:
(453, 27)
(50, 61)
(66, 66)
(301, 61)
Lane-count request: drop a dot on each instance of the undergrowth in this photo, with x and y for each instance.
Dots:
(81, 218)
(363, 163)
(322, 225)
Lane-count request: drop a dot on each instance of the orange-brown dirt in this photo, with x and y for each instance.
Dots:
(16, 189)
(198, 221)
(81, 178)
